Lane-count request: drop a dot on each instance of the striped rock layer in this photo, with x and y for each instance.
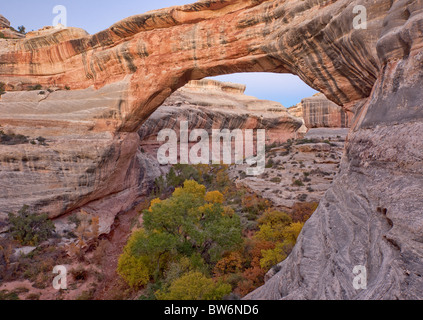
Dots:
(371, 216)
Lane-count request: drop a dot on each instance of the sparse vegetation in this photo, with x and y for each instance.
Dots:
(30, 228)
(269, 163)
(305, 141)
(8, 295)
(298, 183)
(35, 87)
(22, 29)
(79, 274)
(2, 84)
(11, 138)
(221, 238)
(87, 230)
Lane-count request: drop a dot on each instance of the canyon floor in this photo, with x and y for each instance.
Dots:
(297, 171)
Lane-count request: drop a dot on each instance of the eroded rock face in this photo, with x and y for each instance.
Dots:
(209, 104)
(6, 31)
(59, 175)
(372, 215)
(297, 173)
(4, 23)
(205, 39)
(319, 112)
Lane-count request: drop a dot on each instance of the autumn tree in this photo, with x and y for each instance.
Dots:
(272, 225)
(191, 223)
(196, 221)
(194, 286)
(88, 229)
(277, 227)
(302, 211)
(229, 264)
(135, 270)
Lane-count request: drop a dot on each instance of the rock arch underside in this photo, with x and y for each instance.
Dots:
(373, 213)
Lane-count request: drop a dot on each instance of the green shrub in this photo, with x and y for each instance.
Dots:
(298, 183)
(270, 163)
(2, 84)
(22, 29)
(195, 286)
(6, 295)
(36, 87)
(12, 139)
(30, 228)
(276, 180)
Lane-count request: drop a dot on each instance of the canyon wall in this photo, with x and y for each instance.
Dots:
(209, 104)
(56, 175)
(319, 112)
(6, 31)
(371, 216)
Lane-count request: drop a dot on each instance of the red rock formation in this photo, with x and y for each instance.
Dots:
(4, 23)
(209, 104)
(205, 39)
(6, 31)
(319, 112)
(372, 214)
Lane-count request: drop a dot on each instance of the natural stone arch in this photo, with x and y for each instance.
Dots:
(158, 52)
(365, 218)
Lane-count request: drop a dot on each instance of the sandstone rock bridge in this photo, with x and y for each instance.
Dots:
(372, 216)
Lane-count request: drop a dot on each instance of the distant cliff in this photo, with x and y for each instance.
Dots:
(319, 112)
(6, 31)
(372, 214)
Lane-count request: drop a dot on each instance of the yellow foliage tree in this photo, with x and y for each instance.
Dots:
(231, 263)
(277, 227)
(194, 286)
(272, 257)
(292, 232)
(214, 197)
(154, 202)
(192, 187)
(133, 270)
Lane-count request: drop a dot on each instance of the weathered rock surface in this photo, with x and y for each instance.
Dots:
(209, 104)
(319, 112)
(4, 23)
(312, 165)
(61, 176)
(78, 127)
(6, 31)
(205, 39)
(372, 215)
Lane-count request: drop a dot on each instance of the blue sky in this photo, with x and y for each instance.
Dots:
(97, 15)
